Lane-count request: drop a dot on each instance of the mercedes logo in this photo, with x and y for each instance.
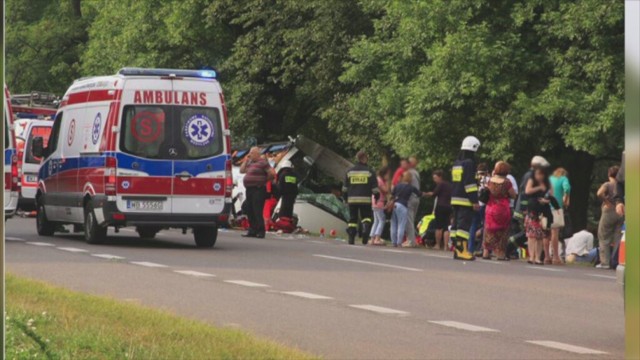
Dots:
(173, 152)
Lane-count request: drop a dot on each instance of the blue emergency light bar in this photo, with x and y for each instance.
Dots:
(204, 74)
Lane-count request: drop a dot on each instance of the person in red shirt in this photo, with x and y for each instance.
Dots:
(258, 173)
(397, 176)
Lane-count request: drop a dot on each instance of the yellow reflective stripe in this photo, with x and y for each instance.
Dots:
(471, 188)
(518, 215)
(353, 225)
(365, 199)
(462, 234)
(461, 201)
(358, 173)
(366, 220)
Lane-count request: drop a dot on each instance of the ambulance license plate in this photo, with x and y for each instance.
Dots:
(144, 205)
(32, 178)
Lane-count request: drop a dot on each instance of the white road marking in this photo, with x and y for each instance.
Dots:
(544, 268)
(491, 262)
(108, 256)
(193, 273)
(148, 264)
(8, 238)
(39, 243)
(463, 326)
(307, 295)
(396, 251)
(72, 249)
(246, 283)
(317, 242)
(567, 347)
(440, 256)
(380, 309)
(602, 276)
(368, 262)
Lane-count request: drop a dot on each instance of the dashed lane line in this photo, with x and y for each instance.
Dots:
(380, 309)
(439, 256)
(396, 251)
(368, 263)
(148, 264)
(545, 268)
(72, 249)
(36, 243)
(9, 238)
(463, 326)
(246, 283)
(567, 347)
(108, 256)
(307, 295)
(602, 276)
(193, 273)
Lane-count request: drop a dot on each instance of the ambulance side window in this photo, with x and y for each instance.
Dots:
(53, 139)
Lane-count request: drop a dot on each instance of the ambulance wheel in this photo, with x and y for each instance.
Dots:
(93, 232)
(43, 225)
(147, 232)
(205, 236)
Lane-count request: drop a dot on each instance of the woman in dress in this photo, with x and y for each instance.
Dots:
(538, 189)
(498, 213)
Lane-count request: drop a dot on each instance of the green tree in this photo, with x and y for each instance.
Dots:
(285, 63)
(44, 40)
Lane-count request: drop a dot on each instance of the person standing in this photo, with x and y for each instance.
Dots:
(498, 213)
(522, 201)
(442, 212)
(482, 177)
(414, 202)
(378, 205)
(359, 185)
(397, 175)
(537, 189)
(287, 188)
(257, 173)
(464, 197)
(610, 226)
(561, 192)
(401, 195)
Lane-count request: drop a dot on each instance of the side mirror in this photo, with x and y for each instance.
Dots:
(37, 147)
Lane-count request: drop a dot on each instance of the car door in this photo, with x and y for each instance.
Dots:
(49, 171)
(199, 165)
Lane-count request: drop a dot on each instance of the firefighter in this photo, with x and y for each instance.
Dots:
(464, 197)
(288, 189)
(359, 185)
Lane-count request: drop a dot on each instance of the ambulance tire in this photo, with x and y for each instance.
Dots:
(43, 225)
(147, 232)
(93, 232)
(205, 236)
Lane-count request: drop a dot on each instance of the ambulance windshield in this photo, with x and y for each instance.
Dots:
(171, 132)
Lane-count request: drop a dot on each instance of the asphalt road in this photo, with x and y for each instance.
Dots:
(341, 301)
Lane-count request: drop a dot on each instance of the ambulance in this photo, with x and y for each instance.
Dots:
(11, 173)
(29, 165)
(146, 148)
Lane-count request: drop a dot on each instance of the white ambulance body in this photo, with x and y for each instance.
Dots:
(11, 173)
(29, 165)
(146, 147)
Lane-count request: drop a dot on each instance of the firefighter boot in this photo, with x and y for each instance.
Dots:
(461, 251)
(352, 231)
(366, 231)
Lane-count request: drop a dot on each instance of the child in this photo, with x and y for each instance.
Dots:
(401, 194)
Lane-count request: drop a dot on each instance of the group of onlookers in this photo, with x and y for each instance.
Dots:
(540, 202)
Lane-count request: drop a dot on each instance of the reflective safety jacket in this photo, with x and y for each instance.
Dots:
(288, 182)
(465, 187)
(359, 184)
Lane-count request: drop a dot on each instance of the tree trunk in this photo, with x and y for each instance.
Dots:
(580, 167)
(75, 5)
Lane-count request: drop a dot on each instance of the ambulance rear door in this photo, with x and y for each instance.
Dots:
(201, 157)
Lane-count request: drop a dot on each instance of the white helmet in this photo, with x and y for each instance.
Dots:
(470, 143)
(286, 164)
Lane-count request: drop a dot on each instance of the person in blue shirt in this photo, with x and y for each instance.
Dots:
(562, 193)
(401, 195)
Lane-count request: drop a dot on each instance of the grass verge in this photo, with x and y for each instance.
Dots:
(43, 321)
